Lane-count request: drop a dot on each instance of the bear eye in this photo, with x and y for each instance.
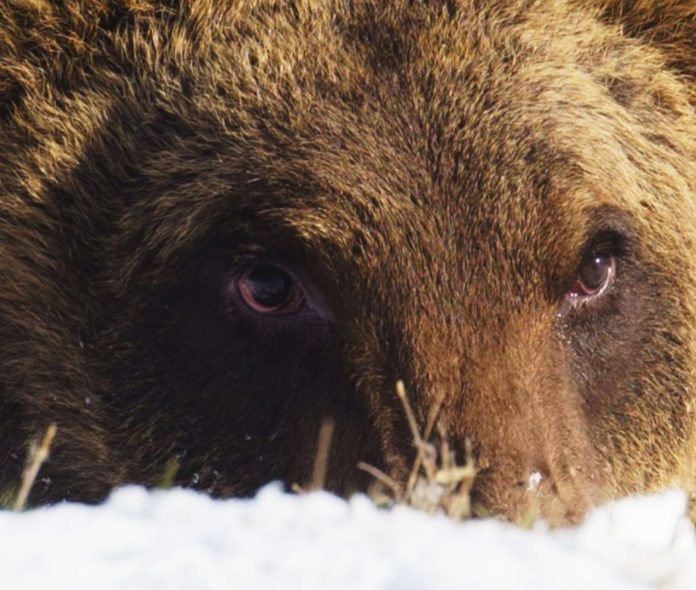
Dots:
(595, 274)
(268, 289)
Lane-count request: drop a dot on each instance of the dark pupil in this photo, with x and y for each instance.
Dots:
(269, 286)
(594, 272)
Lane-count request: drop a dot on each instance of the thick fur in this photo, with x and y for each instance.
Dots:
(435, 174)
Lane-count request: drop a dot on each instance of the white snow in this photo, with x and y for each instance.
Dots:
(534, 481)
(141, 540)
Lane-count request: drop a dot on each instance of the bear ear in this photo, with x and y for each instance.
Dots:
(669, 25)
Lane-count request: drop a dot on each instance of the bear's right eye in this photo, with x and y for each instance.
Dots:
(270, 290)
(595, 274)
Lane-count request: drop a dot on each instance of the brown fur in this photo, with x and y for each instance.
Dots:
(435, 173)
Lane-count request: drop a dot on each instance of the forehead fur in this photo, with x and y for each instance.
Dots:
(343, 122)
(359, 132)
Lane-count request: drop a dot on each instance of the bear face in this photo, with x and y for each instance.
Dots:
(223, 225)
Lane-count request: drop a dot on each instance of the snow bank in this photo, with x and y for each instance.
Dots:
(181, 539)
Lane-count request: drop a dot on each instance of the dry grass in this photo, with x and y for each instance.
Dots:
(436, 483)
(171, 469)
(321, 459)
(38, 454)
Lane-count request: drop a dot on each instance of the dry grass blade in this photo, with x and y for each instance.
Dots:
(418, 439)
(171, 469)
(382, 477)
(37, 457)
(408, 410)
(321, 459)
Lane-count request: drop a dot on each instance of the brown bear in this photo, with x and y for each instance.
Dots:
(223, 222)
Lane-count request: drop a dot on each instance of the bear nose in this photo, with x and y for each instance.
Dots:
(499, 412)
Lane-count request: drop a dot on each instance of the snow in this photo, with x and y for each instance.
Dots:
(183, 539)
(534, 481)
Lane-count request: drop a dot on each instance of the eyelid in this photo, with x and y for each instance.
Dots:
(606, 243)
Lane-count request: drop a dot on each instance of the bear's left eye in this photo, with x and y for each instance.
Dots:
(595, 274)
(268, 289)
